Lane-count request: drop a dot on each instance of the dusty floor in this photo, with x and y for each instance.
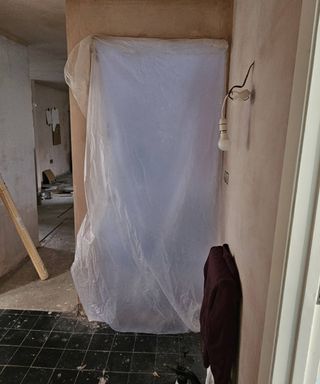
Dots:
(48, 348)
(22, 289)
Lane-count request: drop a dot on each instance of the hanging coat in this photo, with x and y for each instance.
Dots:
(220, 313)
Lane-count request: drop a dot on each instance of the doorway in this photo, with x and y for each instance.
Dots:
(22, 288)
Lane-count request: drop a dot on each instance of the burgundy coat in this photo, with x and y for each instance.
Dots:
(220, 313)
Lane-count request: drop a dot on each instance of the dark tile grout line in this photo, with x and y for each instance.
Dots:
(155, 360)
(57, 316)
(63, 350)
(19, 346)
(41, 348)
(105, 370)
(84, 357)
(131, 358)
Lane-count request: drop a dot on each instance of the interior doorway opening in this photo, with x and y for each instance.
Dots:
(21, 288)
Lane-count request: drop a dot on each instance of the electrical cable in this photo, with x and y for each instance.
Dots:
(243, 84)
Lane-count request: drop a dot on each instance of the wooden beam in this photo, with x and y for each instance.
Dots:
(22, 231)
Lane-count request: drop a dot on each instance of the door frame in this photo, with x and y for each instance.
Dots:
(297, 199)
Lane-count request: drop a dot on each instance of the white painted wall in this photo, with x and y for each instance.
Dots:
(45, 97)
(45, 65)
(16, 150)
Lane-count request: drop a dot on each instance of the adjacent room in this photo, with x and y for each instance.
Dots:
(151, 154)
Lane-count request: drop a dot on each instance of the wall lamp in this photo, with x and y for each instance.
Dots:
(237, 92)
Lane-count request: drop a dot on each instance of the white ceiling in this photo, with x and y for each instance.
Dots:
(40, 24)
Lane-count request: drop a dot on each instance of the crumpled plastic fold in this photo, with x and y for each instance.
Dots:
(152, 173)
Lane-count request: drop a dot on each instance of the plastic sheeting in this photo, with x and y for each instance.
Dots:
(151, 178)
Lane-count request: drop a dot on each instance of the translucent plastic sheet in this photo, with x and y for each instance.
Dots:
(151, 178)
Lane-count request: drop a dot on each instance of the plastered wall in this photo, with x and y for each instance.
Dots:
(16, 150)
(44, 97)
(265, 32)
(137, 18)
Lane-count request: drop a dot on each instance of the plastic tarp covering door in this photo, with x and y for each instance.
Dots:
(151, 178)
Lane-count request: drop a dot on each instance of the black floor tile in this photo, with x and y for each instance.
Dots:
(7, 320)
(96, 360)
(36, 313)
(119, 362)
(6, 352)
(48, 358)
(36, 338)
(62, 376)
(14, 337)
(83, 326)
(194, 363)
(2, 332)
(25, 322)
(168, 344)
(79, 341)
(190, 344)
(163, 361)
(55, 314)
(13, 311)
(37, 376)
(104, 328)
(123, 343)
(101, 342)
(127, 358)
(143, 362)
(71, 359)
(57, 340)
(165, 379)
(89, 377)
(24, 356)
(117, 378)
(141, 378)
(45, 323)
(12, 375)
(145, 343)
(65, 324)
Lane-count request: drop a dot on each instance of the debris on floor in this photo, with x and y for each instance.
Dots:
(42, 347)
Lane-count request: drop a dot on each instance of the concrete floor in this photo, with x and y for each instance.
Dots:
(22, 289)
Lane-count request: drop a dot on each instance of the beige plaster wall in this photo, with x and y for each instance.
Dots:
(137, 18)
(265, 31)
(45, 97)
(16, 150)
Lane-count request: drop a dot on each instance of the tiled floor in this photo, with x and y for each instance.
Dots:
(47, 348)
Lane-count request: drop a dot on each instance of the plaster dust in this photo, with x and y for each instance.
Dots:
(22, 289)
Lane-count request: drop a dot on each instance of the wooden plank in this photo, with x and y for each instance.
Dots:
(22, 231)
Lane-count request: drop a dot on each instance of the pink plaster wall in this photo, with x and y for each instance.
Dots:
(265, 32)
